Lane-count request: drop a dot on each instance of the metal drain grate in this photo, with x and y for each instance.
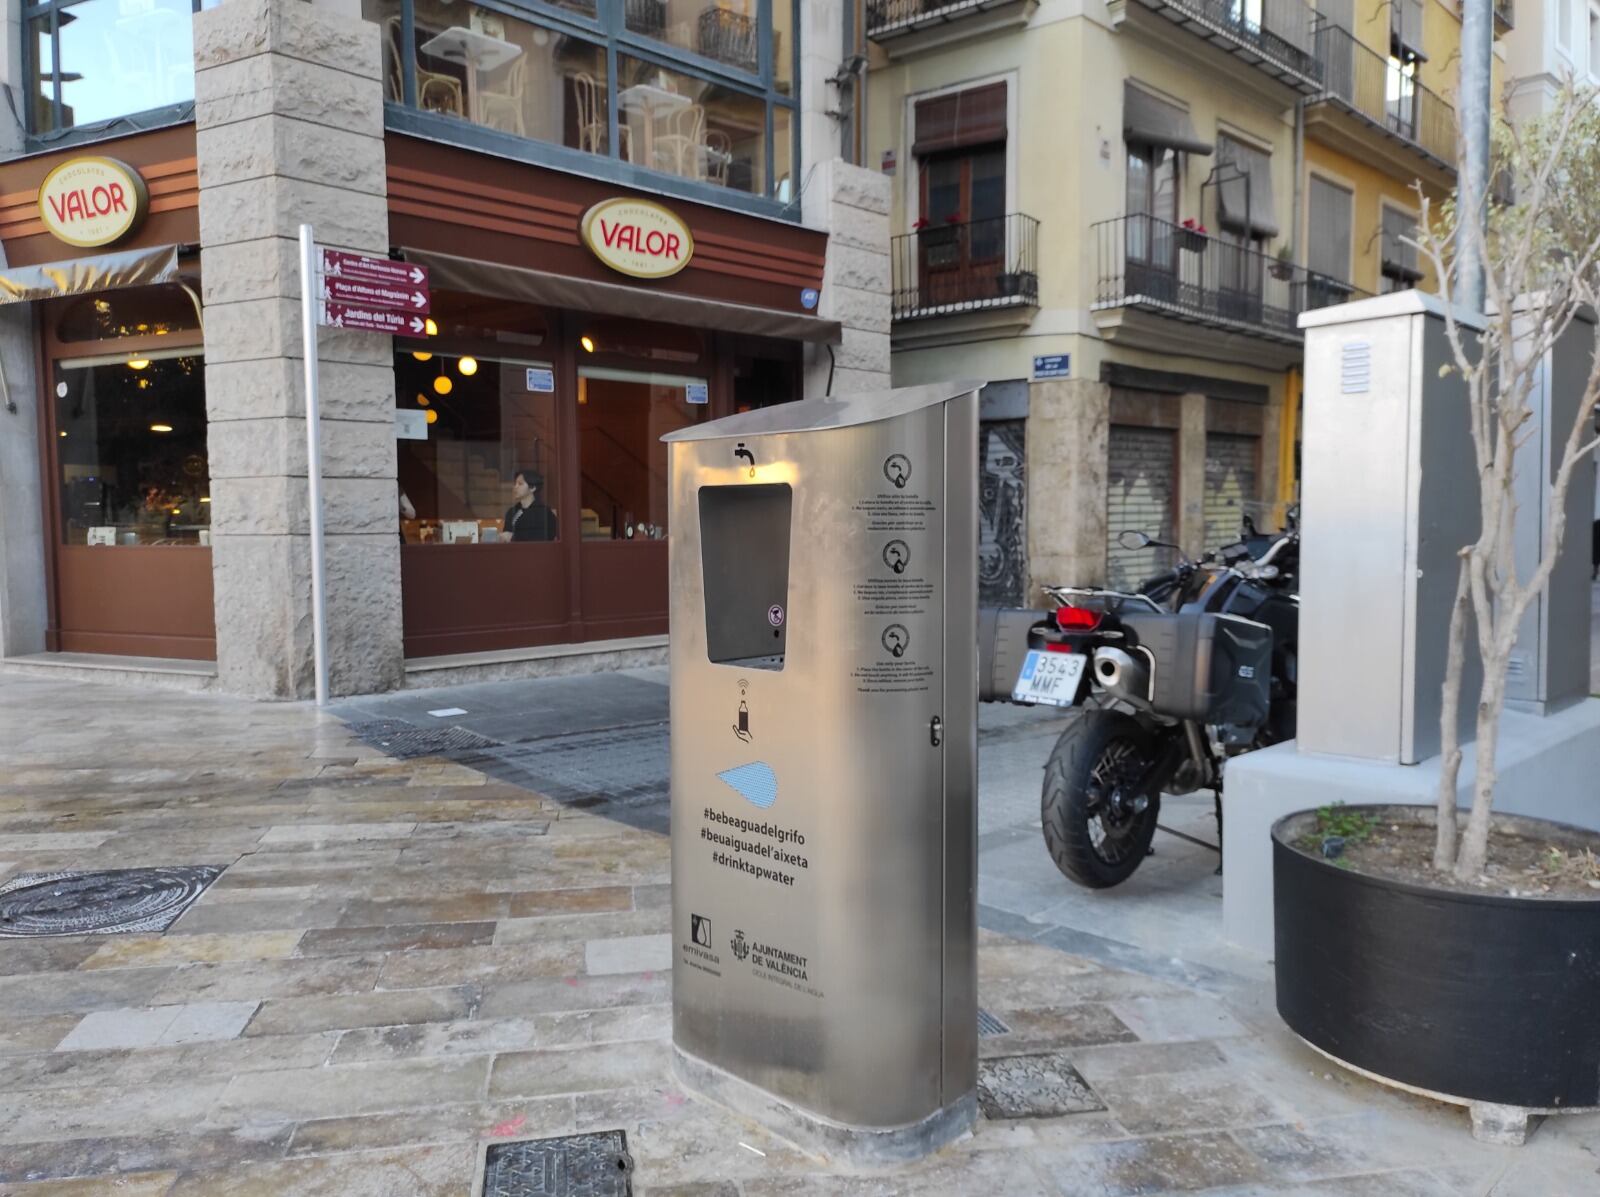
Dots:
(593, 1165)
(117, 900)
(988, 1024)
(1042, 1086)
(403, 740)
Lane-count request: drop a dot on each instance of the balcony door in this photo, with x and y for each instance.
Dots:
(961, 215)
(1152, 197)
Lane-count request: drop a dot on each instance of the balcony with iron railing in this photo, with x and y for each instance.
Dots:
(1156, 266)
(1385, 95)
(1504, 16)
(890, 19)
(949, 269)
(1275, 37)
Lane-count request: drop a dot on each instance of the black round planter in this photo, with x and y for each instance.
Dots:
(1469, 996)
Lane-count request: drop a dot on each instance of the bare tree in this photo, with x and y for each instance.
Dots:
(1540, 252)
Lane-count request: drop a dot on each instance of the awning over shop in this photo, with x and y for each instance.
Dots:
(450, 273)
(97, 272)
(1149, 120)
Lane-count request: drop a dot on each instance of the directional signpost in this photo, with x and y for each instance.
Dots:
(363, 294)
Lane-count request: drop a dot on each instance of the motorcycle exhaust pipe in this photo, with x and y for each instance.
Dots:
(1121, 676)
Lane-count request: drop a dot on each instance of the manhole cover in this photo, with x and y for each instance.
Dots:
(1041, 1086)
(403, 740)
(594, 1165)
(117, 900)
(988, 1024)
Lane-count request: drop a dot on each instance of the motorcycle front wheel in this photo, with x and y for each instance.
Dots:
(1092, 840)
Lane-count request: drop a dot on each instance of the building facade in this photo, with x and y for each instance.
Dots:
(1116, 212)
(493, 476)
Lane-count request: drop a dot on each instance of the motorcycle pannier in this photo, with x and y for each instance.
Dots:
(1209, 667)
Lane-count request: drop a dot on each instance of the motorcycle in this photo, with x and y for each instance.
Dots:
(1169, 682)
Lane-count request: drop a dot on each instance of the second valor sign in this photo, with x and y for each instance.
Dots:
(638, 238)
(92, 201)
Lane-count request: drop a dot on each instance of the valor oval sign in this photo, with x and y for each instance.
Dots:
(92, 201)
(638, 238)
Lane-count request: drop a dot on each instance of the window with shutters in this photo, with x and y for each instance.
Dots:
(1405, 29)
(1400, 269)
(960, 147)
(1328, 248)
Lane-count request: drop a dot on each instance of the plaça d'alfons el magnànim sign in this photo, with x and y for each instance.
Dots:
(637, 238)
(92, 201)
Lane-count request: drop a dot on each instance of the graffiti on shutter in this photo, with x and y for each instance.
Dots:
(1140, 488)
(1231, 480)
(1002, 546)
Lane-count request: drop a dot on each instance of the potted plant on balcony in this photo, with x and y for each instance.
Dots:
(1192, 235)
(1462, 962)
(1282, 267)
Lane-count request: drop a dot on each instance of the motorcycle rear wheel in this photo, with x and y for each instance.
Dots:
(1089, 841)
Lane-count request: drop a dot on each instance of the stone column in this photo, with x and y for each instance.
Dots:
(1069, 433)
(22, 488)
(1192, 474)
(852, 204)
(289, 108)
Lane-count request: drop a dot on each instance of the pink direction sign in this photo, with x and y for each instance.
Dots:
(364, 319)
(359, 267)
(376, 295)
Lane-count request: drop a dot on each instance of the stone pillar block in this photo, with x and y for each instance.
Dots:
(23, 612)
(852, 204)
(1192, 474)
(1068, 442)
(289, 108)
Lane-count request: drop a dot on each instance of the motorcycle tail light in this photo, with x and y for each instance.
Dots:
(1057, 646)
(1077, 619)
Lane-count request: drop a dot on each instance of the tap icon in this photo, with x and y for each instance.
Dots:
(741, 451)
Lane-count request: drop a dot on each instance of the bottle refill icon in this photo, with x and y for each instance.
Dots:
(835, 852)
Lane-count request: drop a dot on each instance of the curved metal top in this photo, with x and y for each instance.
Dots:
(834, 411)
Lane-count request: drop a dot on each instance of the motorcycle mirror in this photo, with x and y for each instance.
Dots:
(1249, 526)
(1129, 539)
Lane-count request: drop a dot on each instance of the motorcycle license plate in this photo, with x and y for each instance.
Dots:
(1050, 678)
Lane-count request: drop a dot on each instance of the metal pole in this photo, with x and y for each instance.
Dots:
(308, 334)
(1477, 52)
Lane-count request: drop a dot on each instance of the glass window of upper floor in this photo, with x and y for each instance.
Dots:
(701, 90)
(104, 64)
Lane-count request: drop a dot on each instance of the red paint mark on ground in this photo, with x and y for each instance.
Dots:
(509, 1127)
(572, 981)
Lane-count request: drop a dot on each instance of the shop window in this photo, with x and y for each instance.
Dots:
(727, 32)
(688, 99)
(138, 312)
(91, 61)
(131, 448)
(764, 379)
(622, 416)
(477, 455)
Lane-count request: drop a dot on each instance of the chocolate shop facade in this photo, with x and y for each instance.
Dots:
(631, 217)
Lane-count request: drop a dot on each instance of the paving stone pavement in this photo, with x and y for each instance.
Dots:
(404, 961)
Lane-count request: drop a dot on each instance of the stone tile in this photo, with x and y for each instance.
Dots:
(1167, 1019)
(419, 1040)
(444, 1170)
(605, 1026)
(144, 950)
(119, 1028)
(521, 962)
(281, 1016)
(441, 1124)
(1366, 1142)
(1112, 1061)
(303, 1094)
(1209, 1100)
(943, 1175)
(41, 1033)
(404, 937)
(80, 992)
(629, 954)
(260, 979)
(573, 993)
(652, 897)
(584, 926)
(334, 833)
(258, 916)
(1173, 1163)
(54, 841)
(82, 1113)
(579, 1069)
(180, 1151)
(581, 900)
(167, 1064)
(144, 1184)
(1066, 1026)
(21, 956)
(208, 1022)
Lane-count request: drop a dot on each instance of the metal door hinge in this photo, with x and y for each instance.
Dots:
(936, 731)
